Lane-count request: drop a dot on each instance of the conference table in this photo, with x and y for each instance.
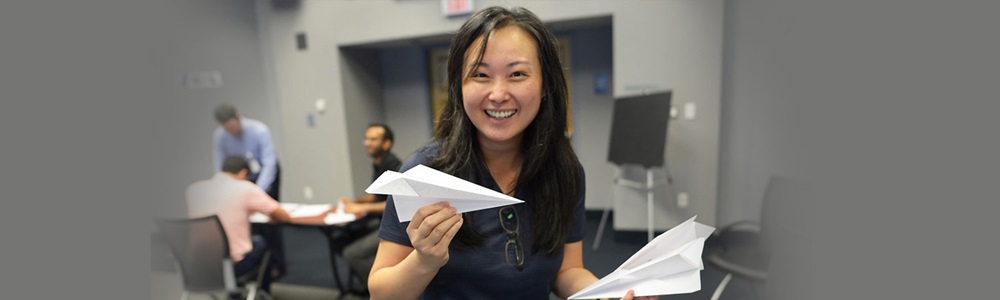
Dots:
(327, 218)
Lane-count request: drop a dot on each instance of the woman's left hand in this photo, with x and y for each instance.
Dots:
(631, 295)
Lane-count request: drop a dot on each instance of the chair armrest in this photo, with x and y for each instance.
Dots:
(748, 226)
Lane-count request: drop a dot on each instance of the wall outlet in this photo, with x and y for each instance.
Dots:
(682, 200)
(307, 192)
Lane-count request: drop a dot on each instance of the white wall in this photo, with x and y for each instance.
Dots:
(658, 45)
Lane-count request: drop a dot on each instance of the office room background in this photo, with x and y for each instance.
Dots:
(865, 96)
(380, 74)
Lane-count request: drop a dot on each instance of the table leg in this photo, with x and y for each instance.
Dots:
(328, 232)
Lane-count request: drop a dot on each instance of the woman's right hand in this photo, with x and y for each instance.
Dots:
(431, 231)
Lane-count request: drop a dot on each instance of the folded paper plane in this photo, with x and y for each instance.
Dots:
(422, 186)
(669, 264)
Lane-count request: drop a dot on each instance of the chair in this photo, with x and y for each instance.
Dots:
(201, 250)
(743, 247)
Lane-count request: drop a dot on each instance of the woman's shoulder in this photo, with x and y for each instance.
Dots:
(423, 156)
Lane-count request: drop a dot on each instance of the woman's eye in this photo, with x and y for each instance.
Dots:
(478, 75)
(517, 74)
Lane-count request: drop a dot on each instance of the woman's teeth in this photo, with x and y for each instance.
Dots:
(500, 114)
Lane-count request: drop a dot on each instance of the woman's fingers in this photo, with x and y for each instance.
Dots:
(422, 214)
(435, 226)
(440, 234)
(426, 211)
(430, 233)
(629, 295)
(448, 236)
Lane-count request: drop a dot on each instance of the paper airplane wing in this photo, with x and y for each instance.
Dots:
(422, 186)
(681, 283)
(669, 243)
(669, 264)
(390, 183)
(451, 187)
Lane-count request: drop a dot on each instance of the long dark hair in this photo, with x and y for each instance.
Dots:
(550, 169)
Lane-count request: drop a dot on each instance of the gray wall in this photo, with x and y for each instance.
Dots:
(668, 44)
(889, 108)
(362, 83)
(206, 36)
(406, 97)
(592, 52)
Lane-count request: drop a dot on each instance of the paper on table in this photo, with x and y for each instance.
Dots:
(422, 186)
(310, 210)
(338, 218)
(287, 206)
(259, 218)
(669, 264)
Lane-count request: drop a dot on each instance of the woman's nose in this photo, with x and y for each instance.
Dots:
(499, 92)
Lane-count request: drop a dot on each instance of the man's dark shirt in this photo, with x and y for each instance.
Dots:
(389, 163)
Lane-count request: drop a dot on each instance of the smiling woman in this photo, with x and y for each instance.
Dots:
(438, 78)
(503, 128)
(502, 89)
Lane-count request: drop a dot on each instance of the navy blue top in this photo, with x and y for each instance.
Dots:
(482, 272)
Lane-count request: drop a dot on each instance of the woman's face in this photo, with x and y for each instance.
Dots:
(503, 93)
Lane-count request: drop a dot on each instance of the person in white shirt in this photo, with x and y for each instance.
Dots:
(233, 198)
(251, 139)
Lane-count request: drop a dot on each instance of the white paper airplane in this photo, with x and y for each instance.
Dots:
(669, 264)
(422, 186)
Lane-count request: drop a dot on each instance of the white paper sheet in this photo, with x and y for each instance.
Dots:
(338, 218)
(259, 218)
(288, 207)
(669, 264)
(422, 186)
(310, 210)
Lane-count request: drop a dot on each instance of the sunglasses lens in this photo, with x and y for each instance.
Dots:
(508, 218)
(515, 255)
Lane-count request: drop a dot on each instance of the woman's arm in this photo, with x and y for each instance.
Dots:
(572, 276)
(402, 272)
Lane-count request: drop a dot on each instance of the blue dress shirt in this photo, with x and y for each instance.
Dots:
(254, 144)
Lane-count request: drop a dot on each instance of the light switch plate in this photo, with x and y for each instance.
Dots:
(682, 200)
(307, 192)
(320, 105)
(689, 110)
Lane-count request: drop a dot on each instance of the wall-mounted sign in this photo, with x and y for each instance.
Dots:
(451, 8)
(601, 82)
(199, 80)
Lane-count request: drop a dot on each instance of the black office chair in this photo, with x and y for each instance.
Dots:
(741, 248)
(201, 250)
